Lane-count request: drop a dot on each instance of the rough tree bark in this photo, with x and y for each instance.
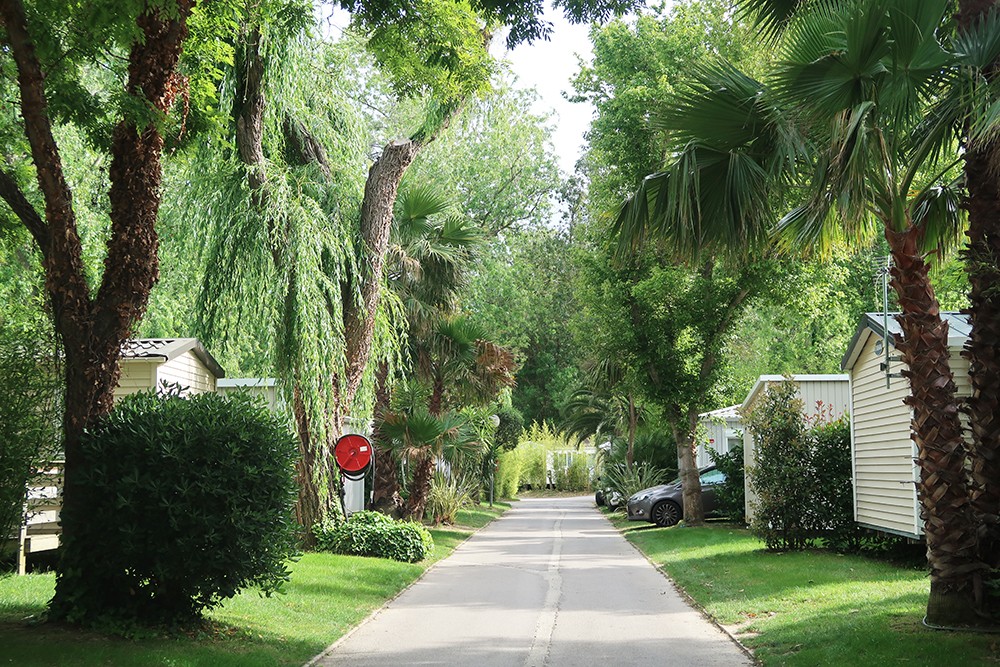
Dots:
(93, 329)
(946, 509)
(982, 263)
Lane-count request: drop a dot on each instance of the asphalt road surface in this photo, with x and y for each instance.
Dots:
(550, 583)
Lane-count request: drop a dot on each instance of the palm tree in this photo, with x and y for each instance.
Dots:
(456, 365)
(605, 406)
(427, 259)
(855, 126)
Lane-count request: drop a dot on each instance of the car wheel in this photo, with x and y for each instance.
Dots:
(665, 513)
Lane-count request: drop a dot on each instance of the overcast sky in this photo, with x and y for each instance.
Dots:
(546, 66)
(549, 67)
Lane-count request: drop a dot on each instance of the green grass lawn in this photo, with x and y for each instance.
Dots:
(807, 608)
(327, 596)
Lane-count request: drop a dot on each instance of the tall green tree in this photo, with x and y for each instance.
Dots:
(847, 110)
(114, 71)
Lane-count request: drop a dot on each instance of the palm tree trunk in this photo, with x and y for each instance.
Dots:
(420, 487)
(949, 524)
(385, 494)
(982, 262)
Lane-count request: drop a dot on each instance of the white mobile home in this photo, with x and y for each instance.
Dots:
(148, 362)
(145, 363)
(719, 430)
(827, 395)
(884, 455)
(267, 388)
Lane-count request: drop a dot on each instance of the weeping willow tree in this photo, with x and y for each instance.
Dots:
(296, 233)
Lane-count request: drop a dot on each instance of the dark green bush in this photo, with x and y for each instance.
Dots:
(183, 503)
(510, 427)
(375, 534)
(731, 494)
(780, 471)
(801, 474)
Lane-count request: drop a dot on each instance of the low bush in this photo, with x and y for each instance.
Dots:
(375, 534)
(573, 472)
(181, 503)
(730, 497)
(627, 481)
(534, 465)
(508, 474)
(447, 496)
(801, 474)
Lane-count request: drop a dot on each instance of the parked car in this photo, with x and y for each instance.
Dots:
(664, 504)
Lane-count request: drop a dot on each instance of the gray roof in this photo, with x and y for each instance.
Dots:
(959, 329)
(166, 349)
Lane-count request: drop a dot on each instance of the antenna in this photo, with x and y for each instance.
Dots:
(881, 266)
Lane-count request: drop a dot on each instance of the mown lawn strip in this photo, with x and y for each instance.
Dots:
(327, 596)
(807, 608)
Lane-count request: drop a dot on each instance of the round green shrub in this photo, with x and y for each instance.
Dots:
(186, 503)
(375, 534)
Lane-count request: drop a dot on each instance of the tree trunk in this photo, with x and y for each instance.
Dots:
(385, 495)
(93, 329)
(420, 487)
(633, 422)
(982, 262)
(949, 523)
(694, 511)
(360, 309)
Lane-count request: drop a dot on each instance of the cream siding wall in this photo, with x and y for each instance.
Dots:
(719, 436)
(269, 393)
(187, 371)
(884, 470)
(829, 397)
(137, 375)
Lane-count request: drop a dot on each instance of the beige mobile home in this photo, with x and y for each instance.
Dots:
(149, 362)
(267, 388)
(820, 394)
(885, 472)
(145, 364)
(719, 430)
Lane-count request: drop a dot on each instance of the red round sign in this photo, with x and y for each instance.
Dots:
(353, 453)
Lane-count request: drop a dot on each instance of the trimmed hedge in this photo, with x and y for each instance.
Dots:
(181, 504)
(375, 534)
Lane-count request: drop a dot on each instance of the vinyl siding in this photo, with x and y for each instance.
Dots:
(884, 470)
(137, 375)
(187, 371)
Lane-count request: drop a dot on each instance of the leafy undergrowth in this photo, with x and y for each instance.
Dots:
(326, 597)
(807, 608)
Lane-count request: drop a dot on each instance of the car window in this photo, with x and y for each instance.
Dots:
(713, 477)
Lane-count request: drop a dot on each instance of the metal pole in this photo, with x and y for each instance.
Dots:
(493, 473)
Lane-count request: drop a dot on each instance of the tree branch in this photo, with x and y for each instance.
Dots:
(11, 193)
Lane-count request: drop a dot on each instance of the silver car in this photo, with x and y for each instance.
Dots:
(664, 504)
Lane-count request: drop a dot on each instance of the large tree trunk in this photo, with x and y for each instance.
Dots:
(385, 494)
(949, 523)
(982, 262)
(420, 487)
(694, 510)
(93, 329)
(361, 308)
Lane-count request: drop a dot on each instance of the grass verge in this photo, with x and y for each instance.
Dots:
(327, 596)
(807, 608)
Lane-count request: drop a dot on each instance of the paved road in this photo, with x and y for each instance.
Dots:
(550, 583)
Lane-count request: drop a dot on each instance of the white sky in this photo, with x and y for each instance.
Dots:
(549, 67)
(546, 66)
